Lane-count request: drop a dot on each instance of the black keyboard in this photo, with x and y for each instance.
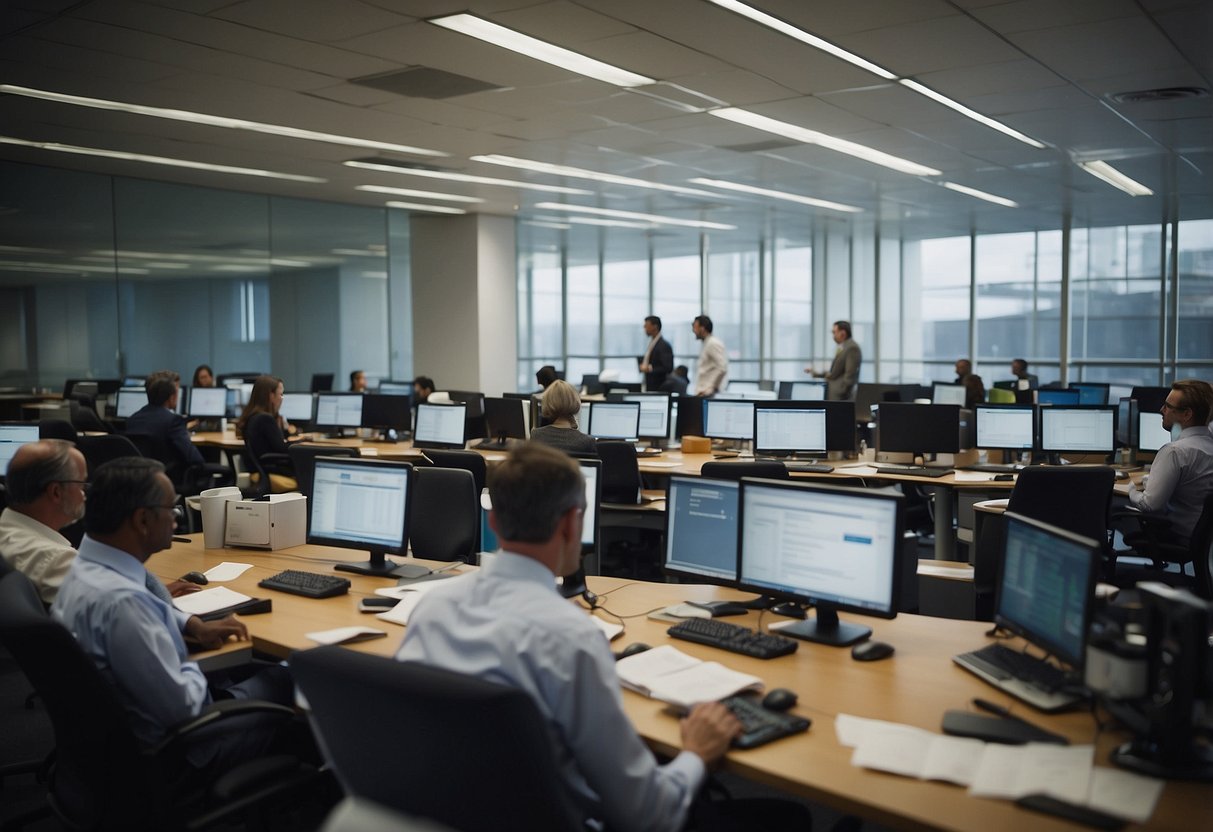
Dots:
(759, 725)
(309, 584)
(993, 468)
(733, 638)
(1018, 665)
(913, 471)
(808, 467)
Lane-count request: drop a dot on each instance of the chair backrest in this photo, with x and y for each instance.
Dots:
(766, 468)
(1074, 498)
(157, 448)
(467, 460)
(444, 520)
(1202, 550)
(620, 472)
(472, 754)
(57, 429)
(260, 485)
(86, 418)
(1000, 396)
(101, 779)
(99, 450)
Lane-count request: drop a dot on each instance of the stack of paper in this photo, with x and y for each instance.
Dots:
(209, 600)
(672, 676)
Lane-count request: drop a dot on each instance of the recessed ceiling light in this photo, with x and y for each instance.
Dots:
(465, 177)
(582, 173)
(478, 27)
(968, 113)
(997, 200)
(430, 209)
(804, 200)
(558, 226)
(633, 215)
(1102, 170)
(803, 134)
(216, 121)
(156, 160)
(383, 189)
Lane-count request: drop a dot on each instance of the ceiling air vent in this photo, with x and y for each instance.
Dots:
(1160, 94)
(425, 82)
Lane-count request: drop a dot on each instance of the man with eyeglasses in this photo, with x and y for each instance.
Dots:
(1182, 474)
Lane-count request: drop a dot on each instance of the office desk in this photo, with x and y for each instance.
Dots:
(916, 686)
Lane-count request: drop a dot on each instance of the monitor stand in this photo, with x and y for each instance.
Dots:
(381, 567)
(827, 629)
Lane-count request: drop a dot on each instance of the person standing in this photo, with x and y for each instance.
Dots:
(658, 360)
(843, 374)
(713, 370)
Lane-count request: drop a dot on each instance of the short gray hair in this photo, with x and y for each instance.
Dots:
(532, 490)
(27, 480)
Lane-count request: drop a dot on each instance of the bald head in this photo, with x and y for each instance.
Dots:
(45, 481)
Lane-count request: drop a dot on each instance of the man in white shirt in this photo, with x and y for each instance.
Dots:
(713, 366)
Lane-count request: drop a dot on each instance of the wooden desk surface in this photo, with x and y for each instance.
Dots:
(915, 687)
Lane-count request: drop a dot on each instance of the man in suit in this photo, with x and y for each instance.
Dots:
(843, 374)
(658, 360)
(1019, 369)
(158, 419)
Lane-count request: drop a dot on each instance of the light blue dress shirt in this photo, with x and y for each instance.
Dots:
(1181, 476)
(508, 624)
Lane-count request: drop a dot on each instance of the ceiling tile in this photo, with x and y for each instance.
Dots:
(323, 21)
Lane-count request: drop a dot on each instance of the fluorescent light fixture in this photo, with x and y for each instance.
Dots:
(466, 177)
(429, 209)
(383, 189)
(804, 200)
(801, 35)
(997, 200)
(156, 160)
(803, 134)
(644, 226)
(215, 121)
(633, 215)
(478, 27)
(973, 114)
(582, 173)
(1109, 174)
(558, 226)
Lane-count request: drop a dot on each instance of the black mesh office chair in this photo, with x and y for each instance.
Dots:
(261, 465)
(766, 468)
(1074, 498)
(99, 450)
(188, 480)
(57, 429)
(479, 755)
(85, 418)
(1152, 537)
(101, 777)
(620, 472)
(467, 460)
(444, 520)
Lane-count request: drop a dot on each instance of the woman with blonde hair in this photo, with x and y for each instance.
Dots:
(560, 406)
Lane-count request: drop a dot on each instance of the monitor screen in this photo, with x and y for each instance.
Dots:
(1046, 586)
(439, 425)
(297, 407)
(361, 504)
(387, 411)
(1091, 392)
(590, 470)
(804, 391)
(789, 429)
(654, 413)
(1126, 423)
(1053, 395)
(134, 381)
(583, 417)
(13, 437)
(701, 529)
(130, 400)
(614, 420)
(1006, 427)
(948, 393)
(918, 428)
(207, 402)
(339, 410)
(728, 419)
(183, 392)
(473, 399)
(833, 547)
(736, 387)
(507, 418)
(1078, 429)
(689, 416)
(1150, 433)
(396, 388)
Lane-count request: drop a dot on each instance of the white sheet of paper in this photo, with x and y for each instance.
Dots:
(400, 613)
(609, 629)
(900, 749)
(1124, 794)
(953, 759)
(850, 729)
(997, 773)
(209, 600)
(972, 476)
(226, 571)
(343, 635)
(958, 572)
(1060, 771)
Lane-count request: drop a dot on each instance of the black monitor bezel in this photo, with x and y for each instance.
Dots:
(1126, 422)
(889, 415)
(789, 404)
(434, 443)
(403, 414)
(669, 407)
(377, 553)
(591, 548)
(310, 418)
(786, 388)
(1044, 413)
(341, 394)
(589, 427)
(709, 401)
(1137, 435)
(1033, 409)
(698, 577)
(118, 397)
(190, 409)
(502, 409)
(935, 385)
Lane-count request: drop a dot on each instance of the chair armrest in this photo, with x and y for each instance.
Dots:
(217, 711)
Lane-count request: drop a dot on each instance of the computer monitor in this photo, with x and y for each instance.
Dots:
(338, 410)
(805, 391)
(1006, 427)
(183, 392)
(701, 529)
(297, 408)
(918, 429)
(583, 417)
(942, 393)
(474, 425)
(590, 383)
(1090, 392)
(654, 413)
(1150, 433)
(232, 405)
(782, 431)
(614, 420)
(208, 402)
(1150, 398)
(360, 503)
(395, 388)
(1045, 587)
(689, 417)
(736, 387)
(591, 471)
(390, 414)
(1056, 395)
(133, 381)
(507, 418)
(728, 419)
(1126, 423)
(322, 382)
(1078, 430)
(867, 395)
(12, 437)
(836, 548)
(129, 400)
(439, 425)
(754, 395)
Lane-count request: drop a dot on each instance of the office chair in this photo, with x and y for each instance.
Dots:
(357, 814)
(101, 777)
(444, 520)
(467, 460)
(85, 418)
(477, 757)
(268, 472)
(769, 469)
(303, 460)
(188, 480)
(57, 429)
(998, 395)
(1074, 498)
(620, 472)
(99, 450)
(1152, 538)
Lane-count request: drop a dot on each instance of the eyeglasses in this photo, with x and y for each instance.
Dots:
(1169, 406)
(85, 485)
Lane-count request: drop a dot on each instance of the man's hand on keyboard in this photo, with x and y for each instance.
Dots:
(708, 729)
(212, 634)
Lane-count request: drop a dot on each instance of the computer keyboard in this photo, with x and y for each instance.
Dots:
(759, 725)
(1025, 677)
(913, 471)
(309, 584)
(807, 467)
(993, 468)
(733, 638)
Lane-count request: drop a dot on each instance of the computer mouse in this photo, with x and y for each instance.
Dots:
(1004, 477)
(634, 648)
(779, 699)
(195, 578)
(871, 651)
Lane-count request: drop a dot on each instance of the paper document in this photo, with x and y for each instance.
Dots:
(959, 571)
(913, 752)
(209, 600)
(410, 596)
(1014, 771)
(346, 635)
(672, 676)
(226, 571)
(658, 463)
(609, 629)
(973, 476)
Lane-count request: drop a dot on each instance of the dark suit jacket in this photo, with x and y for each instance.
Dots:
(167, 427)
(662, 361)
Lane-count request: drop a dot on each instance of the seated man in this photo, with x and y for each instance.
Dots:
(508, 624)
(158, 419)
(1182, 474)
(138, 640)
